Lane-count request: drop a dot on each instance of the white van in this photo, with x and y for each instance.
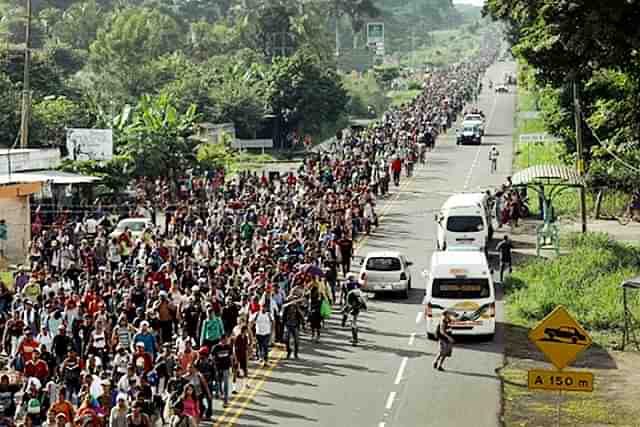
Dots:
(464, 220)
(459, 281)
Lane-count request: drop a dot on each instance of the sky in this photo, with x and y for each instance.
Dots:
(473, 2)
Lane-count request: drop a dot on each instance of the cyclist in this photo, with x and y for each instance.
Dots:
(493, 157)
(355, 303)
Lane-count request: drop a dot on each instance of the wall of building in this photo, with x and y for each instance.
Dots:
(16, 212)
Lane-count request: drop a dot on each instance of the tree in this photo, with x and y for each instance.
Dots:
(10, 99)
(302, 94)
(238, 103)
(52, 116)
(128, 43)
(156, 136)
(78, 26)
(572, 38)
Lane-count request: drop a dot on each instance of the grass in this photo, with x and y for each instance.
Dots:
(586, 281)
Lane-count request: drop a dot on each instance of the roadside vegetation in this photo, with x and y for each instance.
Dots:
(586, 280)
(613, 201)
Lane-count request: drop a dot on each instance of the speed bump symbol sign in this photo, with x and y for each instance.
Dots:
(560, 337)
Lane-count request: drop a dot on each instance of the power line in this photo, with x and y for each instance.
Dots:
(613, 154)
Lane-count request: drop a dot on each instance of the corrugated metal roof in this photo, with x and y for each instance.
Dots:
(57, 177)
(548, 174)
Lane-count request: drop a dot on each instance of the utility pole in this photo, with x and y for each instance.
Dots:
(26, 87)
(337, 34)
(580, 153)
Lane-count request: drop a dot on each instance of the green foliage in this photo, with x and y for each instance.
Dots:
(364, 91)
(310, 94)
(52, 116)
(114, 174)
(76, 26)
(238, 103)
(385, 74)
(215, 156)
(155, 135)
(586, 281)
(128, 43)
(10, 98)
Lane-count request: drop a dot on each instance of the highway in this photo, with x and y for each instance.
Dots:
(388, 381)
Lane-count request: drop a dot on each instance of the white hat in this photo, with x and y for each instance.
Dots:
(142, 324)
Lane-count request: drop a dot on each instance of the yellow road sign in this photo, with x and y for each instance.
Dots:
(560, 337)
(560, 380)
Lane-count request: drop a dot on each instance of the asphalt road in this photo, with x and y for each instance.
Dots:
(388, 381)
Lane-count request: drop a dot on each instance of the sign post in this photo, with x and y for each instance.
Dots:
(561, 338)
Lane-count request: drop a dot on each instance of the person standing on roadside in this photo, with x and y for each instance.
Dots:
(504, 248)
(445, 340)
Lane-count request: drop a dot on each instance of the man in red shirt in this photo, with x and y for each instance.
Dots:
(27, 345)
(396, 167)
(36, 367)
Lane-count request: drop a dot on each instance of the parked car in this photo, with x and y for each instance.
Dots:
(502, 89)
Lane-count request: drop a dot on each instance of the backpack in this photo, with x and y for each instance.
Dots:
(33, 406)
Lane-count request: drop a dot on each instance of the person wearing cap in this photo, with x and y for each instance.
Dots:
(205, 364)
(118, 415)
(142, 360)
(148, 340)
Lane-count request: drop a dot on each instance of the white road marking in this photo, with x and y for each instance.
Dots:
(418, 317)
(390, 400)
(473, 166)
(403, 365)
(381, 424)
(412, 339)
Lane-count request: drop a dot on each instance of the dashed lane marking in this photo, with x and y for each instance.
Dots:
(412, 338)
(403, 366)
(418, 317)
(390, 400)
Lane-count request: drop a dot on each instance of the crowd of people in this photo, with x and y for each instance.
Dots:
(126, 330)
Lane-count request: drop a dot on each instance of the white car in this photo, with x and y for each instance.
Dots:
(474, 120)
(502, 89)
(386, 271)
(135, 225)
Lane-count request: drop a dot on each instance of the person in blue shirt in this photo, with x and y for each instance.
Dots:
(146, 338)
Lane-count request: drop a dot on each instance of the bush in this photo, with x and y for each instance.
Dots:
(586, 281)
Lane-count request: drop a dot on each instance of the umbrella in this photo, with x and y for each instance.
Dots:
(312, 270)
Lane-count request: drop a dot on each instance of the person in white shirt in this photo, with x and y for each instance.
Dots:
(263, 320)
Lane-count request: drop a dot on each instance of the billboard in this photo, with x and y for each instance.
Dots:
(375, 34)
(89, 144)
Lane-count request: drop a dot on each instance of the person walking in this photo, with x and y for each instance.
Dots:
(293, 319)
(445, 340)
(263, 321)
(222, 355)
(504, 248)
(493, 157)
